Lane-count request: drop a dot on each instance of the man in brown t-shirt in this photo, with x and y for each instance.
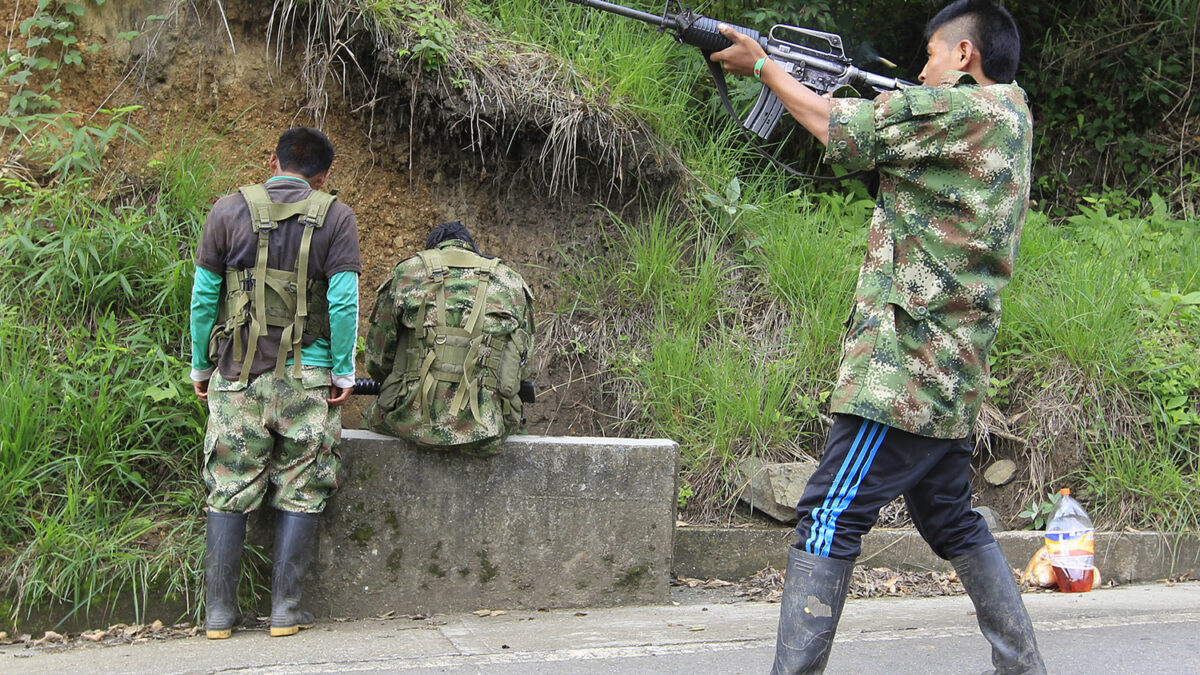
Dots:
(273, 325)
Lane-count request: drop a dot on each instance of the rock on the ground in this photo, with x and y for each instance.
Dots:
(774, 488)
(1001, 472)
(991, 518)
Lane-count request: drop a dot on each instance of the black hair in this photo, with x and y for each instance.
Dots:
(305, 151)
(452, 230)
(990, 28)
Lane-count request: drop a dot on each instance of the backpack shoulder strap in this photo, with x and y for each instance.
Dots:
(260, 206)
(267, 214)
(262, 222)
(317, 207)
(485, 271)
(265, 217)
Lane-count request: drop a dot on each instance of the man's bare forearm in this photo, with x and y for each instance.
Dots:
(807, 107)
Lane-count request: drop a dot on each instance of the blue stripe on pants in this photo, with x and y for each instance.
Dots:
(849, 495)
(821, 533)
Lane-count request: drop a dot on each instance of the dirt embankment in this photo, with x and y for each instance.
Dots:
(413, 149)
(403, 164)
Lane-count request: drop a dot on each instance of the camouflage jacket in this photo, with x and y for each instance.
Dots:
(396, 351)
(954, 166)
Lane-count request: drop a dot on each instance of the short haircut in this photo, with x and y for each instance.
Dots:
(990, 28)
(453, 230)
(305, 151)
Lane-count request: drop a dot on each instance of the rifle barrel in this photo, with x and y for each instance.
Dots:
(880, 81)
(628, 12)
(834, 67)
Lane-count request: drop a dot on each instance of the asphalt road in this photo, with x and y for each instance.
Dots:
(1152, 629)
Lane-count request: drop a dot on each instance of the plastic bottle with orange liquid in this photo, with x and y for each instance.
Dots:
(1071, 543)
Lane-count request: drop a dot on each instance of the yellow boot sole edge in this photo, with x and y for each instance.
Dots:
(218, 634)
(288, 630)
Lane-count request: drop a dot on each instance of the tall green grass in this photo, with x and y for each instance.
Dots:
(1142, 482)
(619, 61)
(1066, 301)
(731, 312)
(727, 323)
(99, 430)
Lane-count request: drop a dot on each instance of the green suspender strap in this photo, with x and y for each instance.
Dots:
(314, 217)
(453, 352)
(260, 215)
(469, 389)
(434, 270)
(291, 289)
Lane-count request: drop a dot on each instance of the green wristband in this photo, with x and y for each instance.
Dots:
(758, 68)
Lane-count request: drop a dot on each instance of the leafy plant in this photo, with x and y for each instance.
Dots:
(729, 206)
(1039, 510)
(685, 493)
(24, 69)
(97, 423)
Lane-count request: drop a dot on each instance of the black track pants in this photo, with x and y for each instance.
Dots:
(868, 464)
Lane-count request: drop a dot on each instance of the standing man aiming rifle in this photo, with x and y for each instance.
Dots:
(954, 160)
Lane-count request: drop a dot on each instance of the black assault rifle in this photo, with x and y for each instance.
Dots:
(367, 387)
(815, 58)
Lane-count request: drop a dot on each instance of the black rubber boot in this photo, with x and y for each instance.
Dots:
(814, 591)
(986, 575)
(223, 539)
(295, 542)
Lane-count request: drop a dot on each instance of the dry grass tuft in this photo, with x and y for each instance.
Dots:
(488, 91)
(1056, 417)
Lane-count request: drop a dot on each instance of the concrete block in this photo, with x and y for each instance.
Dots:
(731, 554)
(549, 522)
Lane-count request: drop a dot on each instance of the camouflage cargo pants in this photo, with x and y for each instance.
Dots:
(275, 430)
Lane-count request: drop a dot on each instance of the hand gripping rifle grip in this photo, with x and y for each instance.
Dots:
(701, 32)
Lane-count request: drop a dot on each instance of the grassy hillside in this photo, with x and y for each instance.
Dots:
(727, 313)
(713, 312)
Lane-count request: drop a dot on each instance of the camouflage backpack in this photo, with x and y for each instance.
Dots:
(458, 329)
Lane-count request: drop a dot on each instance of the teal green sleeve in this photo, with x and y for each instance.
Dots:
(206, 298)
(343, 321)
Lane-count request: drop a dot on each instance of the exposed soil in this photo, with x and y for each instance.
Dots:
(191, 84)
(205, 75)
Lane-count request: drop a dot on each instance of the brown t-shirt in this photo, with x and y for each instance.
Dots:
(229, 242)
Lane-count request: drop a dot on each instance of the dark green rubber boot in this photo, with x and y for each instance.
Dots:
(223, 539)
(295, 543)
(814, 591)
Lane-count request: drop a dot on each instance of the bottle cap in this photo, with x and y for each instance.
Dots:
(1064, 491)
